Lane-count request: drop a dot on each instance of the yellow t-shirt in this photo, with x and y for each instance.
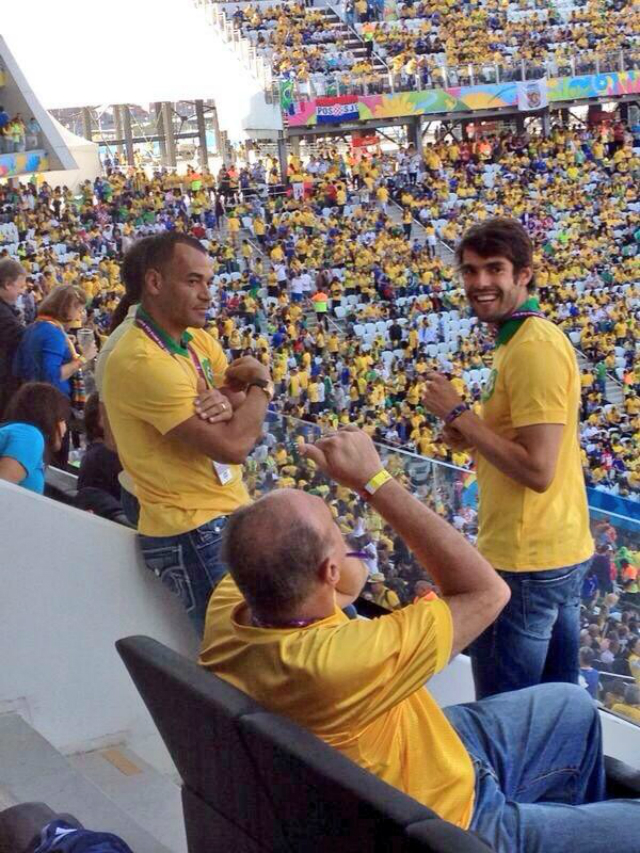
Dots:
(631, 712)
(359, 686)
(148, 392)
(535, 380)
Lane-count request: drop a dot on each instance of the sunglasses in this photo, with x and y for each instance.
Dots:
(360, 555)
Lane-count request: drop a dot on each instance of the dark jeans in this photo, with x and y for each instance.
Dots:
(536, 638)
(540, 780)
(189, 565)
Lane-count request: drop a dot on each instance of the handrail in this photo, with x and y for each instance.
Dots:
(353, 30)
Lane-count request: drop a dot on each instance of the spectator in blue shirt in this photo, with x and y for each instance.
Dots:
(35, 428)
(46, 353)
(589, 676)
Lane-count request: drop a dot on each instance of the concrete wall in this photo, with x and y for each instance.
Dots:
(72, 585)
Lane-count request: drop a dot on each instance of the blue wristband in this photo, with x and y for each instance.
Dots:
(455, 413)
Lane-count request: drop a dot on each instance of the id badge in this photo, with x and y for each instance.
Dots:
(223, 472)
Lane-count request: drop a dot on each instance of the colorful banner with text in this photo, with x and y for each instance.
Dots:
(468, 98)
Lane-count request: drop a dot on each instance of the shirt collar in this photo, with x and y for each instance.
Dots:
(508, 328)
(174, 347)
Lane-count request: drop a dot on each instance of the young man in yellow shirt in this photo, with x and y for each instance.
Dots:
(181, 439)
(533, 518)
(276, 630)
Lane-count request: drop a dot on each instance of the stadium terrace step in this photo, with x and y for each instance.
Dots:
(613, 390)
(109, 790)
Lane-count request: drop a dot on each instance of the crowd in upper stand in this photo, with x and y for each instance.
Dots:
(490, 33)
(490, 37)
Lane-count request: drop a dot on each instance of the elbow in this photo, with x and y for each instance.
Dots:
(540, 478)
(504, 597)
(540, 483)
(231, 454)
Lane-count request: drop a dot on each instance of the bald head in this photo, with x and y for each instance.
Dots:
(274, 548)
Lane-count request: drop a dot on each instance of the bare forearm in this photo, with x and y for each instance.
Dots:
(67, 370)
(452, 562)
(243, 430)
(509, 457)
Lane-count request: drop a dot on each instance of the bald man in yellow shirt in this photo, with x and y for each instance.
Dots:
(276, 630)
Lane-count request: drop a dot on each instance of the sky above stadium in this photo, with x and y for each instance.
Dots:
(87, 52)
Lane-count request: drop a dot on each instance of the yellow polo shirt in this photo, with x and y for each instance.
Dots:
(359, 686)
(149, 391)
(535, 380)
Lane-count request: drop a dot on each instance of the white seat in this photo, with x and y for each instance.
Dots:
(340, 311)
(381, 326)
(620, 373)
(432, 350)
(574, 337)
(358, 330)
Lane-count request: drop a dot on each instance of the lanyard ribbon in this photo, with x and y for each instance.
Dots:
(508, 328)
(141, 323)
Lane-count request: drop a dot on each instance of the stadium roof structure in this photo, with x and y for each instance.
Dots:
(17, 97)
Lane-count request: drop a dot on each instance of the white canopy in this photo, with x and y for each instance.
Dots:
(86, 155)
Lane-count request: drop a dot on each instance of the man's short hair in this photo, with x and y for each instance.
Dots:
(586, 656)
(10, 270)
(505, 238)
(632, 694)
(159, 252)
(273, 556)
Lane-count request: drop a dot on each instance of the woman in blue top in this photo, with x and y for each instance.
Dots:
(46, 353)
(36, 423)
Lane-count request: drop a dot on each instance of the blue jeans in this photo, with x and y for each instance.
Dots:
(189, 565)
(536, 638)
(540, 780)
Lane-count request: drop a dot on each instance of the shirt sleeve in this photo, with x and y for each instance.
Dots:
(538, 382)
(389, 658)
(216, 356)
(25, 444)
(159, 391)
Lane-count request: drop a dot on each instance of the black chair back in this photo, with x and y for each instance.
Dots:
(196, 714)
(255, 782)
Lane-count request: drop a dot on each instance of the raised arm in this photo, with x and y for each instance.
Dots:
(474, 592)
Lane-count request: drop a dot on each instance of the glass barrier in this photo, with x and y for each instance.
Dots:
(609, 613)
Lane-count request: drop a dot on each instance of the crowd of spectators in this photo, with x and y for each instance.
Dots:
(434, 44)
(554, 39)
(17, 135)
(350, 303)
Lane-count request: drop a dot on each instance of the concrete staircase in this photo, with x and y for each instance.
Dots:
(613, 389)
(109, 790)
(352, 40)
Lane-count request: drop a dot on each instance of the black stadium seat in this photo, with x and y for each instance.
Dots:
(254, 782)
